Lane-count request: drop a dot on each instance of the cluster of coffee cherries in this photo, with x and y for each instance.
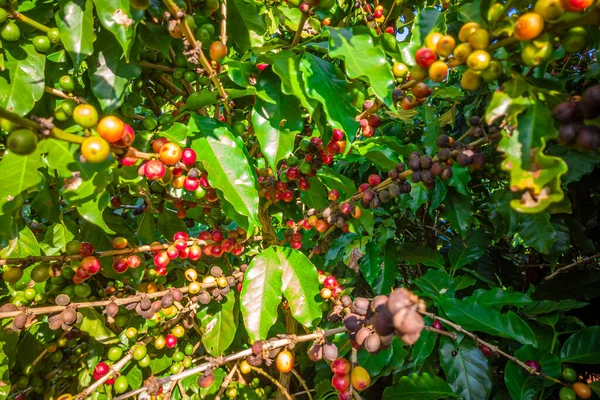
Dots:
(88, 266)
(375, 14)
(65, 319)
(220, 283)
(372, 324)
(122, 263)
(331, 287)
(344, 375)
(572, 115)
(369, 124)
(305, 7)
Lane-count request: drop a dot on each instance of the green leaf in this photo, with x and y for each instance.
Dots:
(423, 255)
(94, 324)
(427, 20)
(467, 369)
(25, 245)
(261, 294)
(520, 383)
(466, 251)
(23, 82)
(473, 316)
(168, 224)
(156, 37)
(316, 195)
(537, 231)
(548, 306)
(87, 191)
(121, 19)
(371, 262)
(424, 346)
(363, 59)
(419, 387)
(300, 285)
(498, 297)
(579, 163)
(227, 166)
(415, 199)
(276, 124)
(459, 211)
(75, 22)
(8, 356)
(534, 124)
(325, 83)
(436, 283)
(219, 324)
(57, 237)
(109, 73)
(333, 180)
(460, 178)
(582, 347)
(286, 64)
(19, 173)
(60, 157)
(245, 24)
(385, 151)
(374, 363)
(176, 133)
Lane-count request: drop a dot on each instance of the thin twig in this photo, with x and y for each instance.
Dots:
(568, 267)
(275, 381)
(495, 349)
(303, 383)
(224, 22)
(226, 381)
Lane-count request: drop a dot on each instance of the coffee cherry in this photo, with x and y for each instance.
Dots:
(419, 73)
(445, 46)
(565, 112)
(470, 80)
(400, 70)
(534, 365)
(284, 361)
(101, 369)
(10, 32)
(438, 71)
(424, 57)
(154, 169)
(217, 51)
(206, 380)
(569, 375)
(576, 6)
(588, 138)
(467, 30)
(360, 378)
(575, 40)
(590, 102)
(170, 153)
(22, 142)
(566, 393)
(95, 149)
(340, 382)
(432, 39)
(478, 60)
(437, 325)
(341, 367)
(111, 128)
(462, 52)
(529, 26)
(550, 10)
(582, 390)
(493, 72)
(486, 350)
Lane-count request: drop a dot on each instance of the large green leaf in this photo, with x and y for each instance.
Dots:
(524, 386)
(385, 151)
(121, 19)
(60, 156)
(168, 224)
(467, 369)
(86, 191)
(300, 285)
(261, 294)
(8, 356)
(326, 84)
(276, 124)
(473, 316)
(419, 387)
(363, 59)
(218, 324)
(498, 297)
(579, 163)
(75, 21)
(110, 73)
(19, 173)
(228, 168)
(26, 245)
(582, 347)
(333, 180)
(245, 23)
(537, 231)
(468, 250)
(22, 84)
(286, 64)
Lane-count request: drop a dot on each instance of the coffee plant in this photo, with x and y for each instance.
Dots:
(388, 199)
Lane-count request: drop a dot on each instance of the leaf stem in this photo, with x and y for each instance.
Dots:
(275, 381)
(55, 133)
(29, 21)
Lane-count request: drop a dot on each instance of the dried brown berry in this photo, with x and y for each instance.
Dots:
(19, 322)
(177, 294)
(216, 271)
(372, 343)
(203, 297)
(360, 306)
(315, 352)
(167, 300)
(68, 316)
(62, 300)
(361, 335)
(330, 352)
(112, 309)
(257, 347)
